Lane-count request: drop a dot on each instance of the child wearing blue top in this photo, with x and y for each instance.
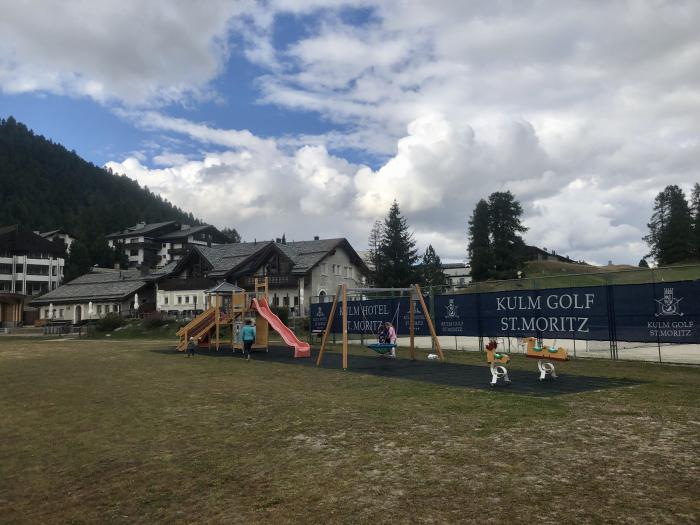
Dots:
(248, 338)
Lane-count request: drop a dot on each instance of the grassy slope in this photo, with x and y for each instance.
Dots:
(550, 274)
(116, 431)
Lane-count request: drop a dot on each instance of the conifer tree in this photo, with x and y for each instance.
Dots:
(505, 227)
(375, 244)
(643, 263)
(79, 261)
(231, 234)
(670, 230)
(480, 254)
(398, 253)
(695, 219)
(432, 273)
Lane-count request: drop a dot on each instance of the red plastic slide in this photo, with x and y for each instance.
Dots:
(301, 349)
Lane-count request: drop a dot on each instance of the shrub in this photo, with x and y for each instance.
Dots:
(282, 312)
(110, 322)
(153, 323)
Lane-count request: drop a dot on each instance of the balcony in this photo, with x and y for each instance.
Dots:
(274, 281)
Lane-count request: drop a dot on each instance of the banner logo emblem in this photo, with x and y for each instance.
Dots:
(669, 304)
(451, 310)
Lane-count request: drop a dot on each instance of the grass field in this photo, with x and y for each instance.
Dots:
(127, 432)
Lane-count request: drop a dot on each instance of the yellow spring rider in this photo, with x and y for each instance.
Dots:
(544, 355)
(496, 362)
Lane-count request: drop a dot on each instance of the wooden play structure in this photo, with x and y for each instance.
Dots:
(342, 297)
(497, 362)
(229, 306)
(544, 355)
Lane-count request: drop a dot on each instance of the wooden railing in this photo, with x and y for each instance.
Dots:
(196, 321)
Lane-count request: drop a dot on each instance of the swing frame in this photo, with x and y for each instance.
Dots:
(342, 295)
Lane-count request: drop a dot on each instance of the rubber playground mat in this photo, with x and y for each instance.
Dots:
(524, 382)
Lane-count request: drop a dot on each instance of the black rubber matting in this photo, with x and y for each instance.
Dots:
(524, 382)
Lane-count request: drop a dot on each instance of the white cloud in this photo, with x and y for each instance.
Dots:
(583, 110)
(120, 50)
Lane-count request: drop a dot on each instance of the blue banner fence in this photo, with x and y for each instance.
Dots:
(666, 312)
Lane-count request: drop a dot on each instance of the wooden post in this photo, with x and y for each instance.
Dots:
(412, 322)
(345, 326)
(329, 326)
(430, 323)
(217, 319)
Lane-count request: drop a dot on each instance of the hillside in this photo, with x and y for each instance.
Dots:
(43, 186)
(555, 274)
(537, 268)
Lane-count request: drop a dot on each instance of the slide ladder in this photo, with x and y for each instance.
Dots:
(301, 348)
(197, 328)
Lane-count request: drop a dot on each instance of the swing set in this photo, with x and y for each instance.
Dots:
(341, 296)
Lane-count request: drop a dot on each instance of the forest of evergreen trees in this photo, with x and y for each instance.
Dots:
(43, 186)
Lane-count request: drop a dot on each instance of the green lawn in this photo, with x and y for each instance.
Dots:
(98, 431)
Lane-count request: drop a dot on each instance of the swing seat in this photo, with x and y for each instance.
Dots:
(381, 348)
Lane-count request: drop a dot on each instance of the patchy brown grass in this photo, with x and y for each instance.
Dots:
(115, 431)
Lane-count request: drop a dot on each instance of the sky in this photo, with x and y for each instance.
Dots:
(309, 117)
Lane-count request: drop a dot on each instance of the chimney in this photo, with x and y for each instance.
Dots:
(316, 238)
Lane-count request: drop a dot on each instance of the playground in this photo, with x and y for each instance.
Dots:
(133, 431)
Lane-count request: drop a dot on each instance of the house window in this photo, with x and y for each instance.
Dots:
(133, 252)
(133, 241)
(60, 313)
(187, 299)
(296, 300)
(285, 300)
(99, 309)
(166, 300)
(276, 300)
(324, 270)
(46, 313)
(179, 299)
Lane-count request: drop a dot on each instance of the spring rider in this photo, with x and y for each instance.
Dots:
(496, 362)
(544, 355)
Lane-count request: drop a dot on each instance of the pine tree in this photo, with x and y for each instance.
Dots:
(505, 227)
(79, 261)
(398, 254)
(643, 263)
(374, 253)
(695, 218)
(670, 229)
(432, 273)
(480, 253)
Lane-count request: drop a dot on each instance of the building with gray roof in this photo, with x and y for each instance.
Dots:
(296, 271)
(158, 244)
(95, 294)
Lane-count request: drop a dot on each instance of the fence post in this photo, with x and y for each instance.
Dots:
(658, 339)
(431, 309)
